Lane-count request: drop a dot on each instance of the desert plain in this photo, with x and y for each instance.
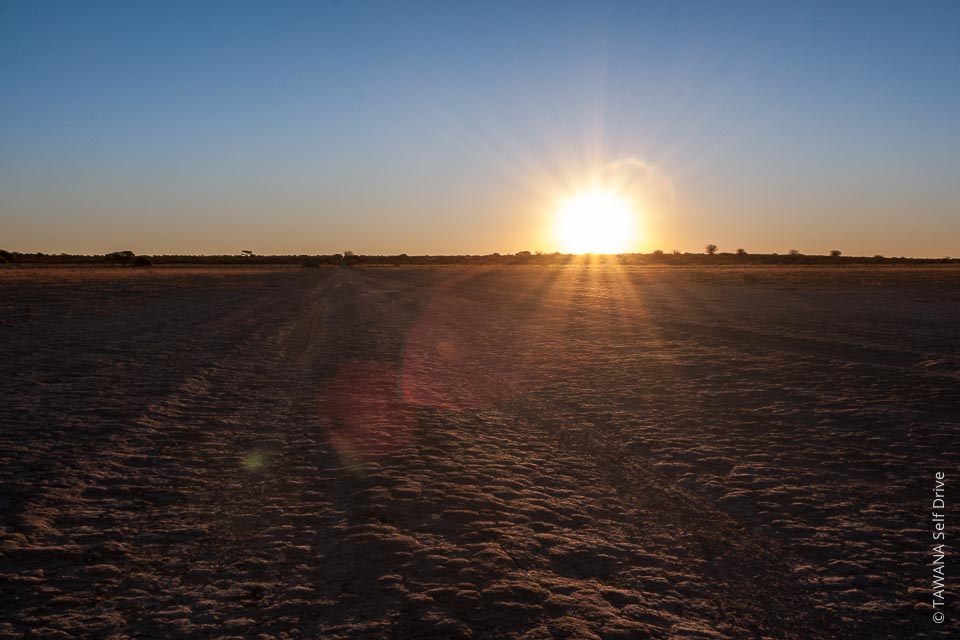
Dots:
(582, 452)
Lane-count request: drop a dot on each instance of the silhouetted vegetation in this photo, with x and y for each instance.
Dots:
(711, 249)
(658, 257)
(142, 261)
(123, 257)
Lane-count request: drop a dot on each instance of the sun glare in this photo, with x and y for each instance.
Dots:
(595, 221)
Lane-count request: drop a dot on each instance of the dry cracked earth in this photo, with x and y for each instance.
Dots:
(541, 453)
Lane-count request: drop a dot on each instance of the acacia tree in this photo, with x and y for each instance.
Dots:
(711, 249)
(834, 253)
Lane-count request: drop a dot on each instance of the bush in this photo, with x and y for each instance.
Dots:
(711, 249)
(142, 261)
(123, 257)
(6, 256)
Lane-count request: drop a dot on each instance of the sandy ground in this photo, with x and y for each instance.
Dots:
(474, 453)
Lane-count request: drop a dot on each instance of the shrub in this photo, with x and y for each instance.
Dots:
(711, 249)
(142, 261)
(123, 257)
(834, 253)
(741, 252)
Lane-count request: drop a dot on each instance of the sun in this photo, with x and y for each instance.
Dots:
(595, 221)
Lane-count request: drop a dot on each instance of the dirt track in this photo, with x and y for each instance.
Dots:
(456, 453)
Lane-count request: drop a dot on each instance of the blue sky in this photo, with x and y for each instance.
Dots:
(418, 127)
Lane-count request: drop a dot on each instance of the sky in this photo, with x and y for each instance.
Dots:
(463, 127)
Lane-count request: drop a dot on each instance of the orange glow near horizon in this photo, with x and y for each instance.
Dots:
(596, 221)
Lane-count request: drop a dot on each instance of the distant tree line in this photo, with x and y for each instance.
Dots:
(711, 256)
